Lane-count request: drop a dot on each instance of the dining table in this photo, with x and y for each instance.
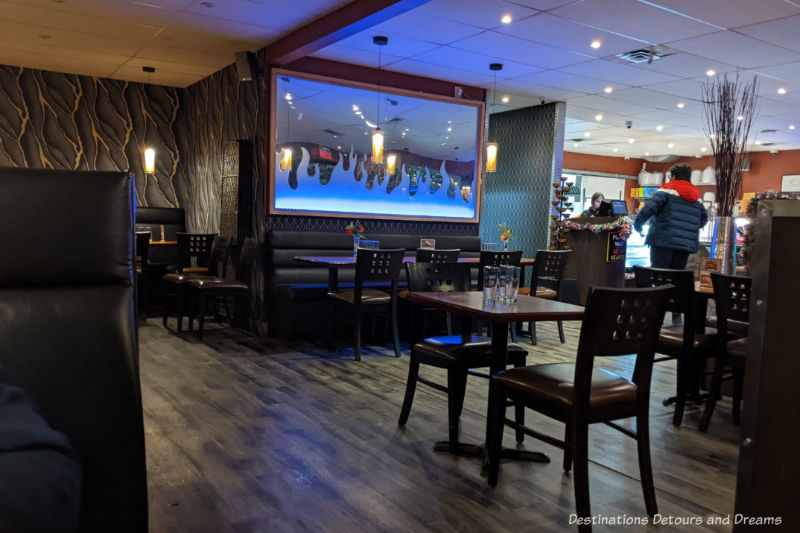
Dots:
(334, 263)
(498, 316)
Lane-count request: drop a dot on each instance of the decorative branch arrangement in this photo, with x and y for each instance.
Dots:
(562, 204)
(729, 109)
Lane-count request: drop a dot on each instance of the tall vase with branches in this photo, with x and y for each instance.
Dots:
(729, 106)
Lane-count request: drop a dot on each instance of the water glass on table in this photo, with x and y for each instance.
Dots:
(513, 276)
(489, 247)
(490, 280)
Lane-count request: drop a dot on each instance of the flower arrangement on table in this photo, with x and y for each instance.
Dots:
(623, 224)
(355, 229)
(505, 234)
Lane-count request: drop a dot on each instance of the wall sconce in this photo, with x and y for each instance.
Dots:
(377, 146)
(491, 157)
(149, 161)
(286, 159)
(391, 163)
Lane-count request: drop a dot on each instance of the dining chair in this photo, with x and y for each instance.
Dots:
(616, 322)
(429, 255)
(194, 250)
(689, 343)
(732, 297)
(173, 282)
(549, 265)
(452, 352)
(201, 291)
(372, 266)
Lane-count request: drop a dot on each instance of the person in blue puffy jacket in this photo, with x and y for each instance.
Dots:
(677, 215)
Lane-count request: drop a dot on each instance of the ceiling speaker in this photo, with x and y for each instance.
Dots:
(246, 67)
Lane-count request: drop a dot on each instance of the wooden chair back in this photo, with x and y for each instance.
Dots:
(427, 255)
(490, 258)
(194, 245)
(435, 277)
(549, 265)
(732, 297)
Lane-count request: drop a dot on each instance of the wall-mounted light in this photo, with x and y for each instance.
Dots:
(286, 159)
(149, 161)
(391, 164)
(491, 157)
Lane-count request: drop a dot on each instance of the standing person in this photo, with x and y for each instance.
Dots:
(594, 208)
(678, 214)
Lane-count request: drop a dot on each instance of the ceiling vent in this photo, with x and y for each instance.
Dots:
(639, 56)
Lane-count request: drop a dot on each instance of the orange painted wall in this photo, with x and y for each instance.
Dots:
(609, 165)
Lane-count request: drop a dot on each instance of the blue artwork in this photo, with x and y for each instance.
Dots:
(323, 153)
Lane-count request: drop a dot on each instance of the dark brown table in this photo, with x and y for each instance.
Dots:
(334, 263)
(526, 309)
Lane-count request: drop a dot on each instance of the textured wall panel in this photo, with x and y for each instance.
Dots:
(530, 157)
(64, 121)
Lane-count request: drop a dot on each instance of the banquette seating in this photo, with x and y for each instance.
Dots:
(296, 292)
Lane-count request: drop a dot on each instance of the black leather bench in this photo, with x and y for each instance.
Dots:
(295, 292)
(151, 219)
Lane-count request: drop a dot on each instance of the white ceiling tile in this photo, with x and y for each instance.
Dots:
(512, 48)
(213, 62)
(281, 15)
(633, 19)
(398, 45)
(730, 13)
(645, 97)
(227, 29)
(432, 29)
(617, 73)
(172, 79)
(781, 32)
(56, 53)
(475, 62)
(562, 33)
(683, 65)
(735, 49)
(669, 118)
(786, 71)
(483, 14)
(564, 80)
(680, 90)
(356, 56)
(442, 72)
(23, 58)
(201, 43)
(549, 94)
(603, 104)
(544, 5)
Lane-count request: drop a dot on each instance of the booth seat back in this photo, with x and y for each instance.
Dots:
(284, 246)
(68, 327)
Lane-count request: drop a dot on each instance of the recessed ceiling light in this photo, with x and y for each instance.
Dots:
(608, 89)
(659, 127)
(703, 148)
(740, 117)
(505, 99)
(631, 140)
(449, 128)
(355, 107)
(681, 105)
(587, 134)
(647, 153)
(782, 90)
(713, 135)
(598, 117)
(791, 126)
(449, 122)
(597, 43)
(575, 145)
(711, 72)
(338, 147)
(288, 96)
(506, 19)
(615, 150)
(758, 143)
(671, 145)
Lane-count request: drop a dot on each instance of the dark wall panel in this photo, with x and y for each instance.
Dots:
(64, 121)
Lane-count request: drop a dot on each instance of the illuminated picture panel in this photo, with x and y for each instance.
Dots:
(429, 165)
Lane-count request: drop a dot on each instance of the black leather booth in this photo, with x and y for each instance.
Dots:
(68, 330)
(295, 292)
(173, 220)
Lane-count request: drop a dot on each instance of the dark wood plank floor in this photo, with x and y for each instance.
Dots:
(248, 434)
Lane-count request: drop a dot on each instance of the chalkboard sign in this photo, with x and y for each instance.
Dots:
(615, 251)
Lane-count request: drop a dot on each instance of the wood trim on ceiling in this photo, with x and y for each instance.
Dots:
(332, 27)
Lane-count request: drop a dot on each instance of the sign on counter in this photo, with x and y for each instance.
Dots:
(615, 251)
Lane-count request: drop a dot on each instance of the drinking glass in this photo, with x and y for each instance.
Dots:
(513, 273)
(488, 246)
(490, 278)
(503, 280)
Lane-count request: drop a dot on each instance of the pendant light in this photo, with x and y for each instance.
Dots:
(286, 152)
(391, 164)
(377, 135)
(492, 147)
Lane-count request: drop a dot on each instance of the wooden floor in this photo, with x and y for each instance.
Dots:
(248, 434)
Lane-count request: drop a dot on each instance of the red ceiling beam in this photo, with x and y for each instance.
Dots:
(348, 20)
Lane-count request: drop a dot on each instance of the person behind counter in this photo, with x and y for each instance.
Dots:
(594, 209)
(678, 214)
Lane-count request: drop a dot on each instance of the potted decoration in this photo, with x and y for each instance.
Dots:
(355, 230)
(729, 109)
(505, 235)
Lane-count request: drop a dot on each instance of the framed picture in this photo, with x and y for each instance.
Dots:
(707, 266)
(427, 166)
(427, 244)
(790, 183)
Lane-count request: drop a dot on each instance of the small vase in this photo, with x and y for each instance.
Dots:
(505, 246)
(356, 239)
(724, 244)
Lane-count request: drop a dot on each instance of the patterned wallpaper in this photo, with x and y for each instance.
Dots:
(64, 121)
(530, 155)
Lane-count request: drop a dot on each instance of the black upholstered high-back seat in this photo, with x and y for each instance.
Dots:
(174, 221)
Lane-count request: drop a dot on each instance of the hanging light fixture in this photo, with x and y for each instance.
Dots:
(391, 164)
(286, 152)
(377, 135)
(493, 147)
(149, 161)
